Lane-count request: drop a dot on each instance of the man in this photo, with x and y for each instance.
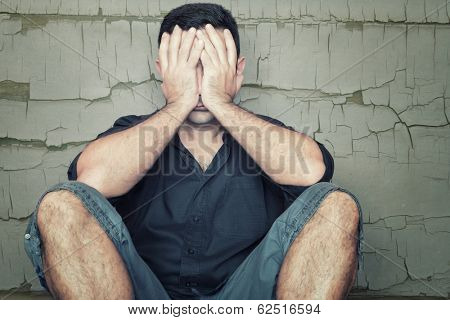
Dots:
(201, 199)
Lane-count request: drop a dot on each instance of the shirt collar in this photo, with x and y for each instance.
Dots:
(176, 141)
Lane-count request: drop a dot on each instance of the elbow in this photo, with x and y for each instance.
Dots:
(303, 176)
(316, 174)
(94, 179)
(98, 179)
(90, 175)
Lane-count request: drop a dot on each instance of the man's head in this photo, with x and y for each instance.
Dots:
(198, 15)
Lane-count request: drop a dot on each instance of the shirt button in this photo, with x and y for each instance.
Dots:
(188, 284)
(196, 218)
(27, 236)
(191, 251)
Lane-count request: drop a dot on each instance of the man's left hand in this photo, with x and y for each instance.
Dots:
(219, 67)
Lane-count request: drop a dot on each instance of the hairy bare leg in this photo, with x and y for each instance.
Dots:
(80, 260)
(321, 262)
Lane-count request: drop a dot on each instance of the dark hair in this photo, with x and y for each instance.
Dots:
(197, 15)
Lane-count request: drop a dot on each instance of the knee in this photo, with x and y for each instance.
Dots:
(57, 209)
(342, 208)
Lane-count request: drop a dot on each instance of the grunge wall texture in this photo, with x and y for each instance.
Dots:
(369, 79)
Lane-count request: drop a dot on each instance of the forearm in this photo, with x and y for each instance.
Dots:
(115, 163)
(288, 157)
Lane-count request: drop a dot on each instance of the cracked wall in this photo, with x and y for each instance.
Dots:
(369, 79)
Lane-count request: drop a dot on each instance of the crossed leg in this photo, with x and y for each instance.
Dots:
(321, 262)
(82, 262)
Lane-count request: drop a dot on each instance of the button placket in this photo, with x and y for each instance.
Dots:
(196, 223)
(190, 265)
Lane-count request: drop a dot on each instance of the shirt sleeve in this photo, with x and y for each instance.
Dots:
(292, 192)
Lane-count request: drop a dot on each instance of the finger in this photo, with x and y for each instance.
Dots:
(206, 60)
(231, 48)
(174, 45)
(216, 40)
(209, 47)
(163, 51)
(186, 44)
(183, 35)
(196, 52)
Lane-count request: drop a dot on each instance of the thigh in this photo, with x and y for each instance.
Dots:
(145, 283)
(256, 277)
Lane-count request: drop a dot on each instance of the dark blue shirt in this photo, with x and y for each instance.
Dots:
(192, 227)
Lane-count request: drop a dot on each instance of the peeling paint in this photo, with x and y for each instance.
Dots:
(14, 91)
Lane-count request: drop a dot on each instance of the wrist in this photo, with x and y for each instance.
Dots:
(176, 110)
(220, 105)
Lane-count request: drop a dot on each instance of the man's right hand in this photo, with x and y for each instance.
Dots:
(179, 54)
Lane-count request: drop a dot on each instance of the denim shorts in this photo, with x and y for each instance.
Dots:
(255, 277)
